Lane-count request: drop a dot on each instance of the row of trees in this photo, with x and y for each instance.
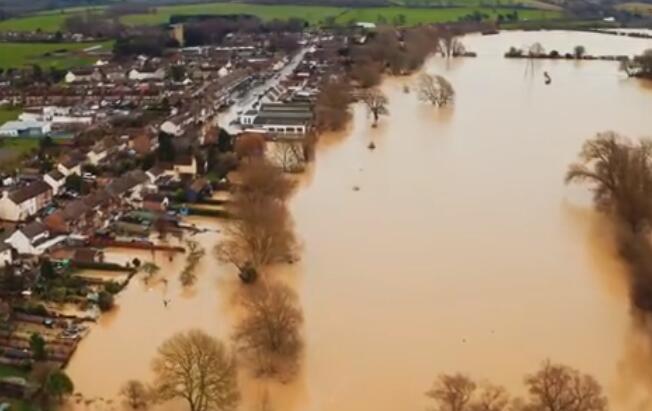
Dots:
(640, 66)
(554, 387)
(619, 171)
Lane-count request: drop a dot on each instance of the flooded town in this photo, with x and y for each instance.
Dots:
(325, 207)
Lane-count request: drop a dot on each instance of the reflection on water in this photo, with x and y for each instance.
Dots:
(461, 251)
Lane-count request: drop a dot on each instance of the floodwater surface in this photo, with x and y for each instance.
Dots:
(461, 249)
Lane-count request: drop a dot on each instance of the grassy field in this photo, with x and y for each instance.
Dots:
(8, 114)
(8, 371)
(535, 4)
(21, 54)
(416, 16)
(308, 13)
(451, 11)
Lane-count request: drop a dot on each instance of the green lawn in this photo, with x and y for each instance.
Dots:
(8, 114)
(9, 371)
(434, 15)
(60, 55)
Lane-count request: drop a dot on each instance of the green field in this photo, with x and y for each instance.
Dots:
(433, 11)
(535, 4)
(59, 55)
(433, 15)
(312, 14)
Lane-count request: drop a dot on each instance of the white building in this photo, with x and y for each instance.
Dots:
(25, 128)
(21, 203)
(6, 255)
(69, 167)
(147, 75)
(56, 180)
(27, 239)
(55, 115)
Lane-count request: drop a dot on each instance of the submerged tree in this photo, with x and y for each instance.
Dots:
(269, 335)
(195, 253)
(435, 89)
(579, 51)
(261, 232)
(452, 392)
(640, 66)
(556, 387)
(197, 368)
(620, 173)
(376, 103)
(136, 395)
(552, 388)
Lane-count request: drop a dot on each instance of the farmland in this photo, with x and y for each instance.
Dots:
(59, 55)
(312, 14)
(436, 15)
(642, 8)
(419, 11)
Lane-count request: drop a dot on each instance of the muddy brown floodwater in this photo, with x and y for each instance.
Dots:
(463, 250)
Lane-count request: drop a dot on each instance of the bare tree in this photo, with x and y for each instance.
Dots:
(259, 178)
(332, 106)
(536, 50)
(136, 395)
(435, 89)
(557, 387)
(621, 177)
(491, 398)
(376, 103)
(289, 154)
(197, 368)
(452, 392)
(261, 234)
(449, 43)
(269, 335)
(249, 145)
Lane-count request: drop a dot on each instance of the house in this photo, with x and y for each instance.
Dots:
(71, 164)
(155, 202)
(97, 154)
(24, 202)
(6, 255)
(28, 239)
(173, 126)
(284, 118)
(147, 74)
(56, 180)
(55, 115)
(25, 128)
(83, 75)
(185, 164)
(144, 143)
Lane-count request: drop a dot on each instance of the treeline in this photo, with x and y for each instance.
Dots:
(213, 30)
(554, 387)
(619, 171)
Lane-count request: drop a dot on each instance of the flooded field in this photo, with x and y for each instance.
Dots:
(463, 250)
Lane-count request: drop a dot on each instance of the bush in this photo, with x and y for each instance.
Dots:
(112, 287)
(105, 301)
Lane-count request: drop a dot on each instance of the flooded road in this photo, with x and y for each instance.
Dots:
(463, 250)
